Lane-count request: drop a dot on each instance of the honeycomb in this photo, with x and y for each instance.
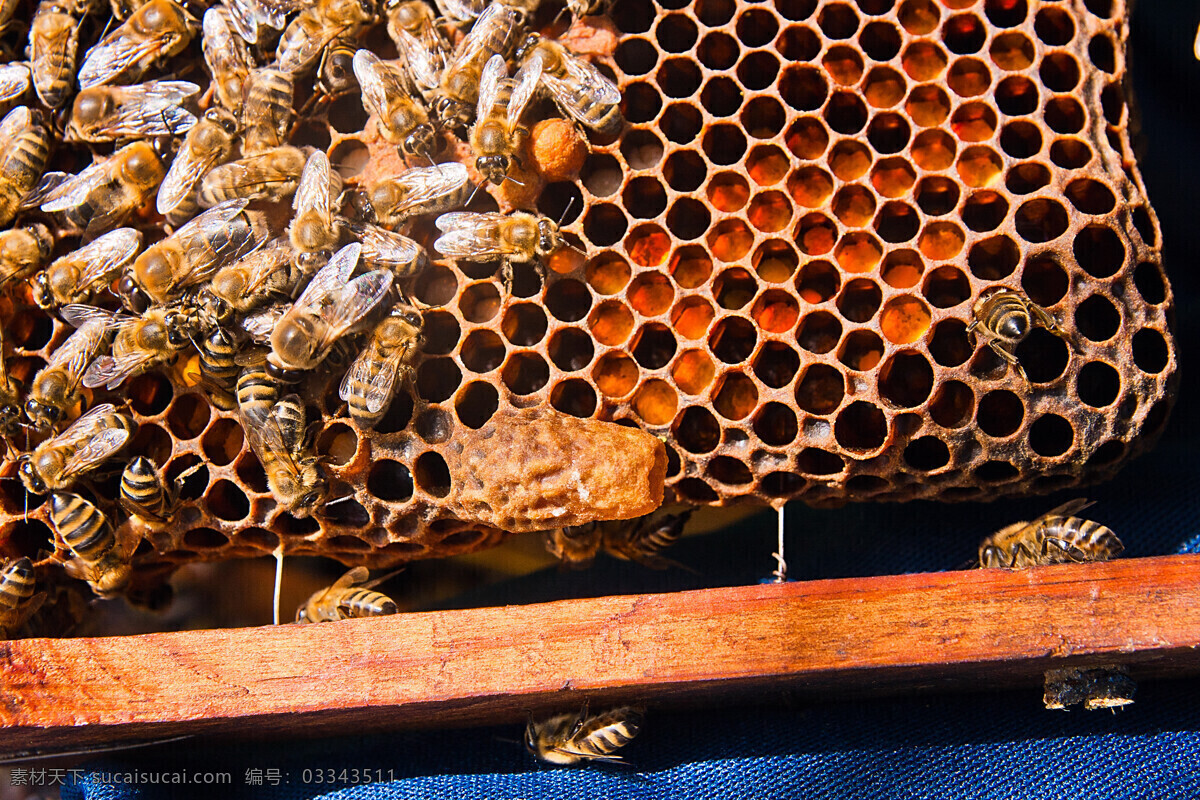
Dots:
(783, 249)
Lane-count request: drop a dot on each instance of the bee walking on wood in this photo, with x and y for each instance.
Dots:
(17, 601)
(568, 739)
(1004, 318)
(57, 462)
(350, 597)
(99, 556)
(1056, 537)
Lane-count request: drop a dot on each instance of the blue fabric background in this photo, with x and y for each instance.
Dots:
(984, 745)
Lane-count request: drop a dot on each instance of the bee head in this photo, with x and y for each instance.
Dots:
(41, 291)
(281, 373)
(530, 42)
(302, 614)
(9, 414)
(494, 168)
(420, 142)
(42, 416)
(548, 238)
(29, 476)
(178, 326)
(132, 296)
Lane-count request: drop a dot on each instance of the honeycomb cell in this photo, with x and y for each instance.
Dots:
(675, 33)
(815, 233)
(859, 300)
(1097, 318)
(1054, 26)
(653, 346)
(574, 397)
(724, 144)
(438, 285)
(714, 13)
(767, 165)
(717, 51)
(919, 17)
(1000, 413)
(963, 34)
(984, 211)
(648, 245)
(250, 473)
(936, 196)
(819, 332)
(610, 323)
(1090, 196)
(644, 197)
(757, 71)
(735, 397)
(524, 373)
(437, 378)
(776, 425)
(397, 415)
(775, 260)
(728, 191)
(1148, 279)
(813, 461)
(776, 311)
(862, 350)
(995, 471)
(888, 133)
(893, 177)
(1006, 13)
(722, 97)
(337, 444)
(845, 113)
(928, 105)
(946, 287)
(1098, 384)
(432, 474)
(803, 87)
(636, 56)
(844, 65)
(817, 282)
(188, 416)
(838, 20)
(969, 77)
(601, 174)
(733, 288)
(905, 379)
(150, 394)
(927, 454)
(1044, 281)
(524, 324)
(1050, 436)
(1102, 53)
(810, 186)
(224, 500)
(860, 427)
(953, 405)
(854, 206)
(979, 166)
(974, 122)
(641, 102)
(1064, 115)
(781, 484)
(694, 490)
(615, 374)
(807, 138)
(568, 300)
(678, 77)
(607, 273)
(684, 171)
(776, 364)
(1059, 71)
(904, 319)
(763, 117)
(756, 27)
(950, 345)
(570, 349)
(941, 241)
(858, 252)
(769, 211)
(729, 471)
(798, 44)
(482, 351)
(150, 441)
(693, 371)
(884, 87)
(924, 61)
(730, 240)
(880, 40)
(690, 267)
(733, 339)
(208, 538)
(642, 149)
(993, 259)
(897, 222)
(1150, 352)
(697, 430)
(655, 402)
(820, 390)
(1041, 220)
(650, 294)
(691, 317)
(442, 333)
(1099, 251)
(350, 157)
(902, 269)
(1027, 178)
(1012, 51)
(604, 224)
(933, 150)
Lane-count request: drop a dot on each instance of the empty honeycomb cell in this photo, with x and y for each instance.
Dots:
(974, 122)
(1006, 13)
(728, 470)
(1150, 351)
(904, 319)
(675, 33)
(979, 166)
(1041, 220)
(776, 311)
(574, 397)
(902, 269)
(820, 390)
(250, 473)
(615, 374)
(767, 165)
(803, 87)
(601, 174)
(884, 87)
(642, 150)
(678, 77)
(807, 138)
(1044, 280)
(927, 105)
(813, 461)
(862, 350)
(1144, 225)
(648, 245)
(776, 425)
(604, 224)
(963, 34)
(645, 197)
(524, 324)
(815, 234)
(905, 379)
(728, 191)
(858, 252)
(969, 77)
(1059, 71)
(775, 260)
(432, 475)
(844, 65)
(337, 444)
(479, 302)
(946, 287)
(257, 537)
(697, 430)
(1050, 436)
(756, 27)
(632, 17)
(636, 56)
(819, 332)
(1011, 51)
(781, 484)
(1054, 26)
(693, 371)
(984, 211)
(680, 123)
(437, 378)
(838, 20)
(941, 241)
(897, 222)
(226, 501)
(350, 157)
(653, 346)
(150, 441)
(763, 117)
(1000, 413)
(150, 394)
(730, 240)
(691, 317)
(919, 17)
(568, 300)
(1027, 178)
(995, 471)
(523, 373)
(1102, 53)
(845, 113)
(437, 285)
(717, 51)
(927, 454)
(817, 282)
(769, 211)
(809, 186)
(936, 195)
(798, 43)
(207, 538)
(222, 441)
(690, 267)
(953, 405)
(721, 97)
(724, 144)
(1064, 115)
(854, 206)
(1151, 285)
(694, 490)
(993, 259)
(1021, 139)
(880, 40)
(860, 427)
(888, 133)
(735, 397)
(714, 13)
(684, 170)
(733, 339)
(655, 402)
(482, 351)
(641, 102)
(757, 71)
(733, 288)
(1099, 251)
(1098, 384)
(570, 349)
(188, 416)
(1097, 318)
(776, 364)
(1090, 196)
(859, 300)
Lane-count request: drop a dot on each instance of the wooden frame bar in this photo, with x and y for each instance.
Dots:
(490, 665)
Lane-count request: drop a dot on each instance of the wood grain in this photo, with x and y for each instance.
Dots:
(489, 665)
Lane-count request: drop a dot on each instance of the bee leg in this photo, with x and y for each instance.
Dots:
(506, 275)
(1047, 321)
(1011, 358)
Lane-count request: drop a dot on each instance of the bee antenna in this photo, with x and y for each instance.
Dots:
(335, 500)
(514, 180)
(473, 193)
(566, 211)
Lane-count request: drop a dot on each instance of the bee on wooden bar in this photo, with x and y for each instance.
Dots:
(99, 556)
(1004, 318)
(350, 597)
(56, 387)
(517, 238)
(568, 739)
(495, 32)
(17, 600)
(146, 494)
(577, 86)
(103, 195)
(393, 100)
(1053, 538)
(318, 24)
(267, 111)
(24, 148)
(23, 250)
(277, 437)
(422, 190)
(53, 47)
(208, 144)
(57, 462)
(370, 383)
(107, 113)
(269, 175)
(156, 31)
(76, 276)
(497, 135)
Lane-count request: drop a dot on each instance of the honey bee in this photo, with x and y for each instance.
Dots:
(73, 278)
(277, 438)
(458, 11)
(518, 238)
(146, 494)
(568, 739)
(105, 113)
(1053, 538)
(257, 392)
(312, 228)
(1097, 687)
(1004, 318)
(640, 540)
(55, 388)
(335, 73)
(575, 546)
(267, 111)
(247, 15)
(269, 175)
(420, 44)
(254, 279)
(24, 147)
(156, 31)
(497, 135)
(350, 597)
(53, 46)
(89, 441)
(370, 383)
(15, 80)
(577, 86)
(494, 32)
(99, 556)
(388, 95)
(17, 600)
(208, 144)
(139, 343)
(330, 306)
(218, 367)
(423, 190)
(228, 59)
(22, 251)
(318, 24)
(10, 400)
(196, 251)
(384, 249)
(104, 194)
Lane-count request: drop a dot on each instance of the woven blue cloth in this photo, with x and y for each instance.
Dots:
(983, 745)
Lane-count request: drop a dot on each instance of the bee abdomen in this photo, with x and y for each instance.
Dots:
(1095, 541)
(142, 492)
(609, 732)
(217, 362)
(256, 390)
(359, 603)
(83, 528)
(16, 583)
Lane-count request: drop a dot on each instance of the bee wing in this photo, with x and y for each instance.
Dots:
(334, 274)
(258, 325)
(351, 302)
(243, 19)
(494, 73)
(78, 315)
(583, 87)
(493, 30)
(461, 10)
(77, 351)
(379, 81)
(224, 49)
(424, 185)
(200, 233)
(266, 438)
(424, 59)
(108, 59)
(1066, 509)
(150, 109)
(312, 194)
(96, 441)
(469, 235)
(187, 168)
(352, 578)
(246, 174)
(15, 80)
(384, 248)
(526, 80)
(107, 254)
(111, 372)
(74, 190)
(14, 122)
(49, 182)
(266, 261)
